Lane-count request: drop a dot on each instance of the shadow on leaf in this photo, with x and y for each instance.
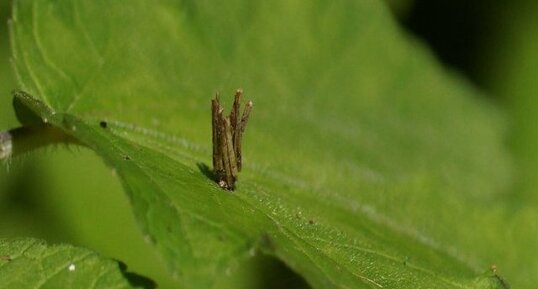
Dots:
(136, 280)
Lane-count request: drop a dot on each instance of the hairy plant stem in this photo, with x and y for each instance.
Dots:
(27, 138)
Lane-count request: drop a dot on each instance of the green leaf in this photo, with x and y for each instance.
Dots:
(30, 263)
(365, 165)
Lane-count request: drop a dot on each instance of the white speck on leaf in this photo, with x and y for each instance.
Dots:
(71, 267)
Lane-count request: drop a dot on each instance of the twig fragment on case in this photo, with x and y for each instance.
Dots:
(227, 134)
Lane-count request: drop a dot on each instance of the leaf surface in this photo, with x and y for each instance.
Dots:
(30, 263)
(365, 165)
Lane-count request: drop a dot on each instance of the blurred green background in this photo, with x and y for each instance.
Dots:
(67, 194)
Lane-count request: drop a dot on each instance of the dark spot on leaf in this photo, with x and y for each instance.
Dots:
(103, 124)
(127, 158)
(266, 243)
(5, 258)
(311, 222)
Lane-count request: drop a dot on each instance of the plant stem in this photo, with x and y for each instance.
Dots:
(23, 139)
